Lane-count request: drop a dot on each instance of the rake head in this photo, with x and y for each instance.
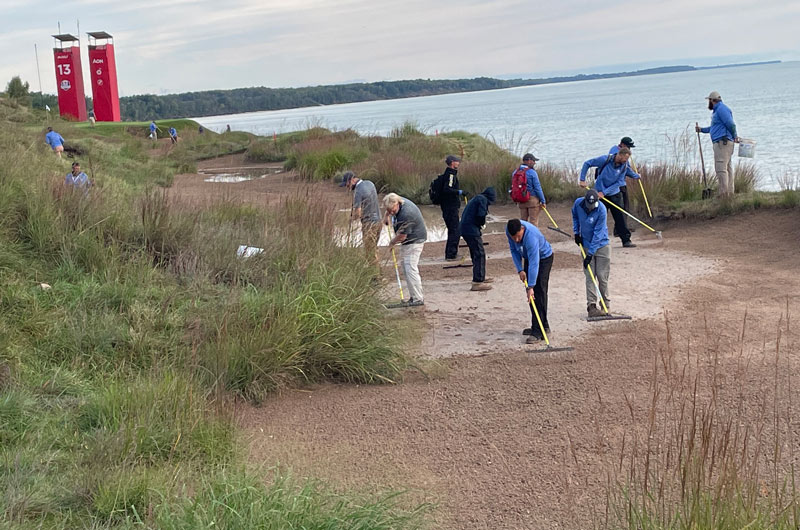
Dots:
(549, 349)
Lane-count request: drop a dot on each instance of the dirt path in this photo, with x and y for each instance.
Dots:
(505, 438)
(518, 440)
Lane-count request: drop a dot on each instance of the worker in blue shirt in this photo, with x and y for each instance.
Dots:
(533, 258)
(530, 210)
(77, 178)
(55, 141)
(723, 136)
(591, 230)
(611, 170)
(173, 135)
(154, 130)
(626, 141)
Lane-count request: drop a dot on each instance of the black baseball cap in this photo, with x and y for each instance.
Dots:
(627, 141)
(592, 199)
(529, 156)
(346, 178)
(451, 158)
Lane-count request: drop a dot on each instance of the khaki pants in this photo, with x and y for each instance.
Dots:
(409, 259)
(369, 236)
(723, 167)
(601, 266)
(529, 211)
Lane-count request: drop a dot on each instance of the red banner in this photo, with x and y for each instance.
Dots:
(104, 82)
(69, 79)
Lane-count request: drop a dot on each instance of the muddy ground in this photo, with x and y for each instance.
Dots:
(500, 436)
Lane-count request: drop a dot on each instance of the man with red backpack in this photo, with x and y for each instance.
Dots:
(526, 190)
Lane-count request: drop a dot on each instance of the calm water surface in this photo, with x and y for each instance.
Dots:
(570, 122)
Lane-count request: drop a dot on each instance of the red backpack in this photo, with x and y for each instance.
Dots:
(519, 186)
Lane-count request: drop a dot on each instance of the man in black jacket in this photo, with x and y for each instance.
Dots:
(451, 206)
(471, 222)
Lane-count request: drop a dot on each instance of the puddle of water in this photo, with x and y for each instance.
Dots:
(437, 231)
(239, 174)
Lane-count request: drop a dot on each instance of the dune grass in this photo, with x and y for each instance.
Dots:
(709, 453)
(129, 328)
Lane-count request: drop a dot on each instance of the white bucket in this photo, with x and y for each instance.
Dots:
(747, 148)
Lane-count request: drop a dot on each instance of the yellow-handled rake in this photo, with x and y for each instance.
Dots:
(548, 347)
(641, 187)
(396, 268)
(594, 280)
(656, 232)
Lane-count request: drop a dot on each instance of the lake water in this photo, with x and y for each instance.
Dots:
(570, 122)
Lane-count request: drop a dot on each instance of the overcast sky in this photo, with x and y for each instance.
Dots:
(166, 46)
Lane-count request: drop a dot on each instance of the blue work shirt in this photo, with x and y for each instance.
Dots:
(81, 180)
(722, 125)
(173, 132)
(612, 174)
(534, 186)
(53, 139)
(153, 126)
(592, 226)
(533, 246)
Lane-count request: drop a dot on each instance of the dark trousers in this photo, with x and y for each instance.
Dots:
(620, 225)
(478, 256)
(451, 220)
(540, 293)
(626, 205)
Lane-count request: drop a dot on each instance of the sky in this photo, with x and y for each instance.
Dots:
(169, 46)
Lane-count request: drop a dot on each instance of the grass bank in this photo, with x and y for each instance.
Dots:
(408, 159)
(129, 328)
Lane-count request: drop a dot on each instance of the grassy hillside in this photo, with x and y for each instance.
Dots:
(128, 327)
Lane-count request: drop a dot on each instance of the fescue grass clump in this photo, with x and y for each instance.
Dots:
(129, 327)
(708, 453)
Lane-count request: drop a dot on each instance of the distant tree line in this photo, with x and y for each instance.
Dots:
(214, 102)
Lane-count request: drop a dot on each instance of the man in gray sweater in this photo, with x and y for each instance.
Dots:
(411, 234)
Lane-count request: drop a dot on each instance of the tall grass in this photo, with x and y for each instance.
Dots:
(118, 377)
(709, 453)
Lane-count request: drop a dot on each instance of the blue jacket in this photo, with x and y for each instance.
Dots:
(474, 216)
(592, 226)
(534, 186)
(53, 139)
(722, 125)
(612, 174)
(152, 126)
(533, 246)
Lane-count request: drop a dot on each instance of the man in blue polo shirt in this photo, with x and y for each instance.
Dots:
(77, 178)
(591, 231)
(611, 170)
(55, 141)
(626, 141)
(533, 258)
(723, 136)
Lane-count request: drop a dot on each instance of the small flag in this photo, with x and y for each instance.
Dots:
(47, 108)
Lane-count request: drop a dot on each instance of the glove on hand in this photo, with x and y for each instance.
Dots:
(587, 260)
(578, 239)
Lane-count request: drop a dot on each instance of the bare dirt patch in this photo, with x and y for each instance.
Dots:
(517, 440)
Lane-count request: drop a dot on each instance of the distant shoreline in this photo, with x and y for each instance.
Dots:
(259, 99)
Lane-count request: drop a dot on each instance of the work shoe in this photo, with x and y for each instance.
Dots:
(527, 331)
(533, 339)
(593, 312)
(454, 258)
(413, 303)
(628, 244)
(480, 286)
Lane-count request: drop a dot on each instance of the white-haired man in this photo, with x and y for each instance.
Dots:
(410, 233)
